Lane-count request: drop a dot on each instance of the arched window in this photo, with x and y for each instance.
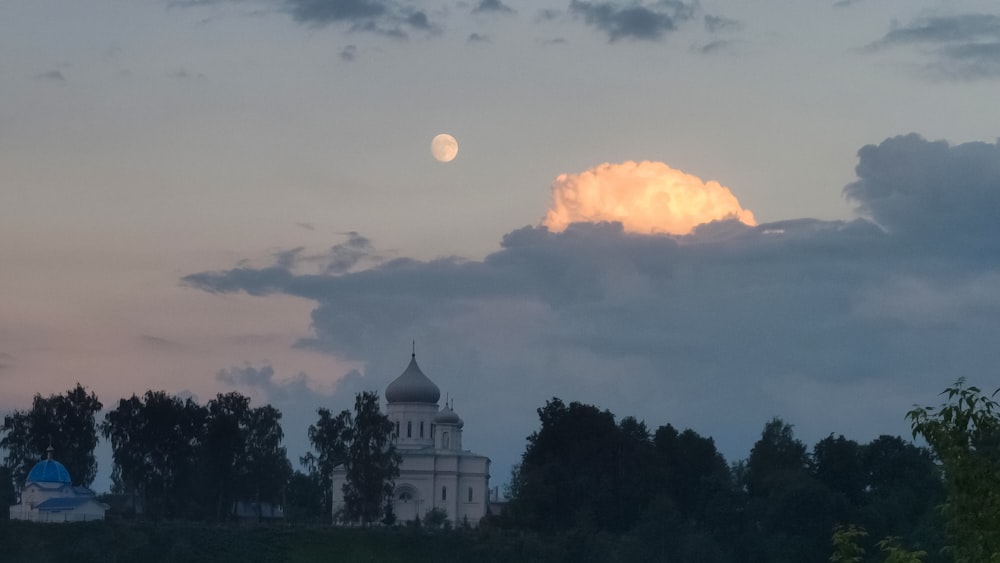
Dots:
(421, 429)
(444, 493)
(397, 429)
(470, 494)
(432, 430)
(444, 440)
(409, 429)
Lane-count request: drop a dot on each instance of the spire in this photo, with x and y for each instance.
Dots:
(49, 450)
(413, 354)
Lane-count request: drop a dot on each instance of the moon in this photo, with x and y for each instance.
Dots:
(444, 147)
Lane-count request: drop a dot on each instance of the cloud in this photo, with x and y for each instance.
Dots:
(925, 189)
(477, 38)
(50, 76)
(492, 6)
(713, 47)
(349, 53)
(714, 24)
(965, 46)
(391, 18)
(647, 197)
(633, 20)
(383, 17)
(837, 326)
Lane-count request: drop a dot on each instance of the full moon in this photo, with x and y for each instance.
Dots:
(444, 147)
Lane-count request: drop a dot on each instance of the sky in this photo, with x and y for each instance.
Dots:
(706, 213)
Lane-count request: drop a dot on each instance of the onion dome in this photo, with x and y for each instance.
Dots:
(448, 416)
(412, 387)
(49, 471)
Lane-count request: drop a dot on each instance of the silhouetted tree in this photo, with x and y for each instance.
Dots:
(66, 422)
(582, 470)
(329, 438)
(266, 468)
(837, 463)
(155, 445)
(371, 464)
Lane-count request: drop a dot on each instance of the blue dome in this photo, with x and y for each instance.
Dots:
(49, 471)
(412, 387)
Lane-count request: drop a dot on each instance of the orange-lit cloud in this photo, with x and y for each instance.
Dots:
(646, 197)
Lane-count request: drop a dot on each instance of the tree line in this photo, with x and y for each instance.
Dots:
(676, 498)
(590, 486)
(173, 458)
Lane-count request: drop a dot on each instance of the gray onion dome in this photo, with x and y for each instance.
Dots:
(412, 387)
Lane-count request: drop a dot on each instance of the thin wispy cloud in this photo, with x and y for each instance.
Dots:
(633, 20)
(963, 46)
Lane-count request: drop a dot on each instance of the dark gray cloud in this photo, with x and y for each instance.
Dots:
(837, 326)
(714, 24)
(492, 6)
(910, 185)
(713, 47)
(634, 20)
(478, 38)
(349, 53)
(384, 17)
(963, 46)
(50, 76)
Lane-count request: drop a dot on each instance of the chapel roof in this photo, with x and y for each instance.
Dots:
(48, 471)
(412, 386)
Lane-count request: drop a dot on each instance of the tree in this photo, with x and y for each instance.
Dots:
(903, 488)
(266, 467)
(694, 470)
(8, 495)
(330, 437)
(837, 463)
(155, 444)
(582, 470)
(964, 433)
(66, 422)
(371, 464)
(775, 459)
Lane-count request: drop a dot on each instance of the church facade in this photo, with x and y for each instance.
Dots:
(435, 471)
(49, 496)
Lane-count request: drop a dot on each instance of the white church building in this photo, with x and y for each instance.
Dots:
(435, 472)
(49, 496)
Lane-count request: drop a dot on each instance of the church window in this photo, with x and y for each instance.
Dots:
(421, 429)
(444, 493)
(470, 494)
(409, 429)
(444, 440)
(397, 429)
(432, 430)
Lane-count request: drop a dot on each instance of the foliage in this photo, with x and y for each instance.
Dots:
(155, 444)
(8, 495)
(304, 496)
(242, 454)
(178, 459)
(845, 544)
(581, 468)
(330, 437)
(371, 464)
(964, 433)
(66, 422)
(847, 550)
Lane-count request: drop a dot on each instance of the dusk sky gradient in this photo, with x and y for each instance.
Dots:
(208, 195)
